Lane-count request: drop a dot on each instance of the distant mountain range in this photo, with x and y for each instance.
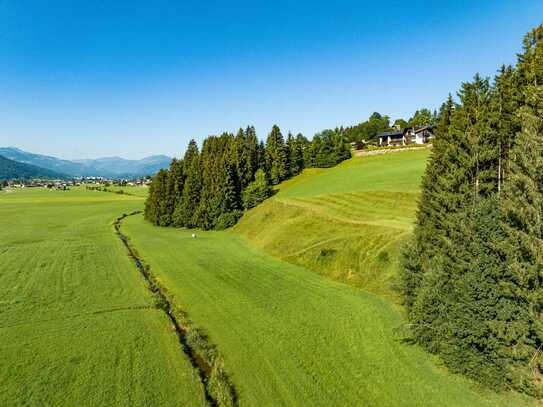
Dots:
(10, 169)
(111, 167)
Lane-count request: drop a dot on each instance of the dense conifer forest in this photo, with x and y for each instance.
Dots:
(472, 275)
(211, 188)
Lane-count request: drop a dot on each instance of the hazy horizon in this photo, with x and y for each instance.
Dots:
(133, 80)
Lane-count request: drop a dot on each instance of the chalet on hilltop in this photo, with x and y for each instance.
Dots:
(415, 135)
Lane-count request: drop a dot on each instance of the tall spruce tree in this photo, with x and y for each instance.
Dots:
(418, 253)
(157, 188)
(296, 154)
(191, 193)
(251, 156)
(276, 156)
(522, 210)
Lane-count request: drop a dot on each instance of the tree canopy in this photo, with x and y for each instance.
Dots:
(210, 189)
(472, 274)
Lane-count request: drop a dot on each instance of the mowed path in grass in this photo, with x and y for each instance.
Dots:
(288, 335)
(77, 323)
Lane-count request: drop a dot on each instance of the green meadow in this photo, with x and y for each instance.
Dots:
(77, 324)
(291, 337)
(346, 222)
(298, 298)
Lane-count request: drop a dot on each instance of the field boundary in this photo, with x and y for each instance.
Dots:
(203, 356)
(366, 153)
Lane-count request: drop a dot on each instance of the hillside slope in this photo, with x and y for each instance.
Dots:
(346, 222)
(10, 169)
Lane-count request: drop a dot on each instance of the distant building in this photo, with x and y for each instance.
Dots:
(418, 135)
(422, 135)
(393, 138)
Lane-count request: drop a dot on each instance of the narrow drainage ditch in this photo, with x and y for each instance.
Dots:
(203, 369)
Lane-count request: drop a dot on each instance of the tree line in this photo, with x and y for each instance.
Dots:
(210, 189)
(472, 275)
(377, 124)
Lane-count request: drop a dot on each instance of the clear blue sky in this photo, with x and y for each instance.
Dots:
(82, 79)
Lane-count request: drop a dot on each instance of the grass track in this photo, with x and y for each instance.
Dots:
(77, 325)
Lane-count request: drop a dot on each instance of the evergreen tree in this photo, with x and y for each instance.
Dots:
(418, 254)
(522, 209)
(296, 154)
(472, 274)
(288, 152)
(250, 156)
(238, 157)
(191, 194)
(190, 154)
(276, 157)
(261, 157)
(153, 205)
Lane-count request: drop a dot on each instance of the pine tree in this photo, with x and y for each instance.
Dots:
(502, 120)
(295, 149)
(191, 153)
(288, 153)
(238, 157)
(452, 188)
(156, 195)
(261, 157)
(191, 193)
(418, 253)
(276, 158)
(522, 208)
(251, 156)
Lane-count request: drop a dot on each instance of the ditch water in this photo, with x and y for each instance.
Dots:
(203, 369)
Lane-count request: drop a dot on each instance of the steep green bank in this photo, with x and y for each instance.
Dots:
(345, 222)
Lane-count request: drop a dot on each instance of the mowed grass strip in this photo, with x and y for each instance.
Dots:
(291, 337)
(77, 323)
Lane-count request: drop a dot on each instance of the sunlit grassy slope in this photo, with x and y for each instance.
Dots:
(345, 222)
(77, 325)
(290, 336)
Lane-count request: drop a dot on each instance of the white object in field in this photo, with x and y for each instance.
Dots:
(194, 235)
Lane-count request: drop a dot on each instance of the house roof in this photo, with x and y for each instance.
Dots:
(391, 134)
(418, 130)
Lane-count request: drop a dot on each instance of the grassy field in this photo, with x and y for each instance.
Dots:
(77, 324)
(290, 336)
(131, 190)
(346, 222)
(79, 327)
